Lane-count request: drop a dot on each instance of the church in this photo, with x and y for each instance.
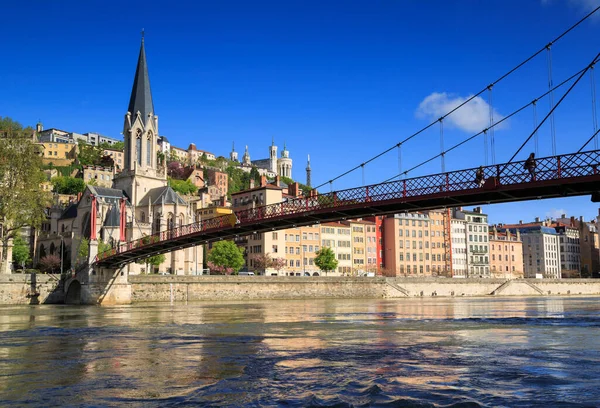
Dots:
(271, 167)
(140, 202)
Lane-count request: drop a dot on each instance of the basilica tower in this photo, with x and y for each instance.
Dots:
(141, 171)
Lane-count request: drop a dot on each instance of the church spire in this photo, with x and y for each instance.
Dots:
(141, 96)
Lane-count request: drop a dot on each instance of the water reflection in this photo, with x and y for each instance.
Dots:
(509, 352)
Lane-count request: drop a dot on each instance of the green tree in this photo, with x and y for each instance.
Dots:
(22, 202)
(184, 187)
(89, 155)
(83, 252)
(325, 259)
(20, 254)
(226, 254)
(115, 146)
(155, 260)
(68, 185)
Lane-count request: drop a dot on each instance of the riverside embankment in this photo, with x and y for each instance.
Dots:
(36, 289)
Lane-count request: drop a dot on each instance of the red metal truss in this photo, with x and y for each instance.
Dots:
(557, 176)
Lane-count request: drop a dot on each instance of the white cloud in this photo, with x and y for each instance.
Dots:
(472, 117)
(583, 5)
(555, 213)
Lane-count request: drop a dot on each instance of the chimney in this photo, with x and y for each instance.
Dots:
(295, 189)
(520, 221)
(573, 221)
(263, 181)
(277, 180)
(537, 219)
(564, 216)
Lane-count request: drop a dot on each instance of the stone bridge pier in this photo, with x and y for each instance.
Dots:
(93, 285)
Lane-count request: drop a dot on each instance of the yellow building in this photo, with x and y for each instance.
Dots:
(301, 245)
(59, 154)
(338, 237)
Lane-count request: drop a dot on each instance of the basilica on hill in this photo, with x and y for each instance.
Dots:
(140, 202)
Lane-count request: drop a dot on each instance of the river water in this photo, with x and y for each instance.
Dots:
(399, 353)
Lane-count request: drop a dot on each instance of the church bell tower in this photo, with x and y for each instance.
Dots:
(141, 171)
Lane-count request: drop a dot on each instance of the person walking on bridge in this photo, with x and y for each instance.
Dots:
(479, 179)
(530, 165)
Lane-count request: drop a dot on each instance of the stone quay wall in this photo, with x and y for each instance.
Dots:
(191, 288)
(30, 289)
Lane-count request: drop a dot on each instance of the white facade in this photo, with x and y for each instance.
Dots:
(459, 247)
(541, 252)
(476, 234)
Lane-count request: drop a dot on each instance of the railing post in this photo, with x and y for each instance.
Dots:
(367, 194)
(447, 182)
(497, 174)
(403, 188)
(282, 208)
(559, 169)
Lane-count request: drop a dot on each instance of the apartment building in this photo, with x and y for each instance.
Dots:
(338, 237)
(570, 250)
(258, 244)
(414, 244)
(99, 176)
(458, 238)
(57, 153)
(541, 249)
(506, 254)
(476, 232)
(301, 245)
(118, 157)
(588, 244)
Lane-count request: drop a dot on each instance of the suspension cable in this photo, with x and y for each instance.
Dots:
(535, 133)
(557, 105)
(485, 147)
(589, 140)
(551, 98)
(442, 144)
(495, 124)
(491, 128)
(399, 158)
(564, 33)
(363, 174)
(594, 115)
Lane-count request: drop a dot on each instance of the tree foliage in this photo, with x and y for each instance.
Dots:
(226, 254)
(262, 262)
(89, 155)
(68, 185)
(278, 264)
(325, 259)
(239, 180)
(22, 202)
(50, 264)
(184, 187)
(20, 253)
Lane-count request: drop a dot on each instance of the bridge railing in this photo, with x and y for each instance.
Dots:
(547, 169)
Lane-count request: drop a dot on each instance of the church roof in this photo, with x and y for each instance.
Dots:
(69, 212)
(156, 196)
(106, 192)
(141, 96)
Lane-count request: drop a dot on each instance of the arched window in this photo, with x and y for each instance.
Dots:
(181, 219)
(138, 147)
(143, 217)
(157, 223)
(149, 149)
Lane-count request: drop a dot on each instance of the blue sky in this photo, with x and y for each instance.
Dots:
(339, 80)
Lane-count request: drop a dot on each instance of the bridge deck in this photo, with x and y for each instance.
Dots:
(558, 176)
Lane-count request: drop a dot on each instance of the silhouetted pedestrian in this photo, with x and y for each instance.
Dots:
(479, 180)
(530, 165)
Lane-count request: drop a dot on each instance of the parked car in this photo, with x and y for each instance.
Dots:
(245, 273)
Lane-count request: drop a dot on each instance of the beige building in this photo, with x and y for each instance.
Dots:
(414, 244)
(338, 237)
(118, 157)
(506, 254)
(301, 245)
(99, 176)
(59, 154)
(258, 244)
